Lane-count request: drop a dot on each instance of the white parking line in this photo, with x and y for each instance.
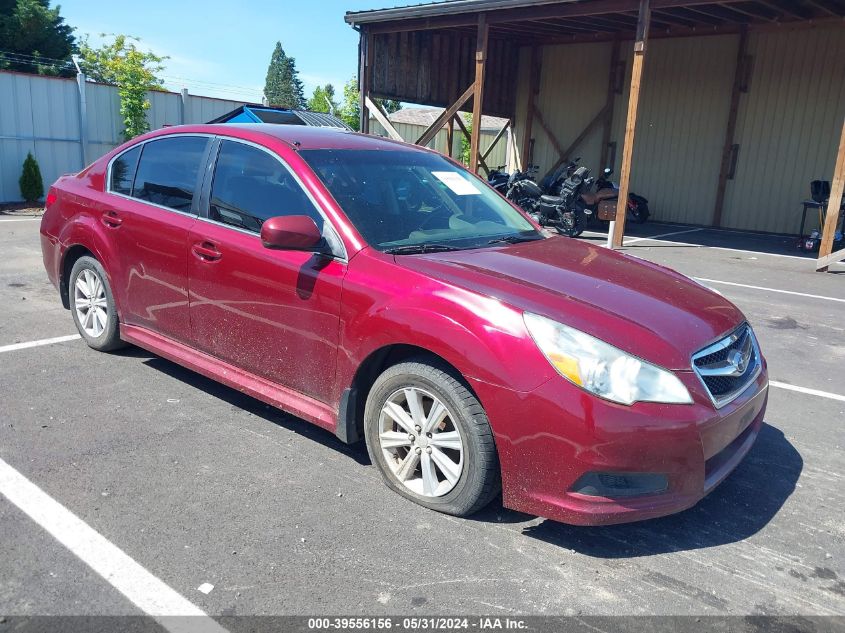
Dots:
(44, 341)
(144, 590)
(2, 220)
(811, 392)
(656, 237)
(785, 292)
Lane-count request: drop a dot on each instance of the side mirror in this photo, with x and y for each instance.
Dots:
(291, 233)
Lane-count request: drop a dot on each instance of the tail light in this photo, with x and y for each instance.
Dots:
(51, 198)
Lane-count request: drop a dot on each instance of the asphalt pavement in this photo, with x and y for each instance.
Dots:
(201, 485)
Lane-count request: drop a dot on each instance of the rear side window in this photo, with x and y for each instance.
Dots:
(167, 171)
(251, 186)
(123, 171)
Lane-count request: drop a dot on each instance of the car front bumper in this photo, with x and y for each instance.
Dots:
(549, 438)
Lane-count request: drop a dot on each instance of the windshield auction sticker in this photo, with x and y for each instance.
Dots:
(457, 183)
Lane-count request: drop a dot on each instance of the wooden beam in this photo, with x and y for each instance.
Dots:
(837, 188)
(552, 138)
(610, 102)
(501, 133)
(450, 136)
(446, 115)
(477, 105)
(617, 229)
(533, 89)
(381, 117)
(730, 130)
(564, 155)
(460, 121)
(366, 50)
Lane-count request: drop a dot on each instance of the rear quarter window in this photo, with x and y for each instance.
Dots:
(123, 171)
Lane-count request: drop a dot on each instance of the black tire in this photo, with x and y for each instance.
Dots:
(480, 480)
(109, 338)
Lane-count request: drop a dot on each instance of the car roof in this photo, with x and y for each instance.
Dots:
(301, 136)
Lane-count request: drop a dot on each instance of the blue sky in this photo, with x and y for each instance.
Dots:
(222, 48)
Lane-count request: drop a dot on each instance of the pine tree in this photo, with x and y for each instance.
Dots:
(31, 29)
(323, 100)
(30, 182)
(283, 87)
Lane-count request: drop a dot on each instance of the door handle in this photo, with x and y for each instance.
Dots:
(111, 219)
(206, 251)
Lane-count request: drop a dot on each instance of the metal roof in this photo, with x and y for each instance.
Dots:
(281, 116)
(445, 7)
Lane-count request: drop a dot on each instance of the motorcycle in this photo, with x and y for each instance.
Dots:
(602, 202)
(564, 212)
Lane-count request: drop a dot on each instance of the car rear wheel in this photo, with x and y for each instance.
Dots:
(430, 438)
(92, 305)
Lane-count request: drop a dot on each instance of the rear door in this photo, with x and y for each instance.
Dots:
(273, 313)
(153, 205)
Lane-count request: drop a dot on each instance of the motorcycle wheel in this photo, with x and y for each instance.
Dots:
(640, 213)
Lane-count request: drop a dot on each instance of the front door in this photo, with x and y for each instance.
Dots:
(273, 313)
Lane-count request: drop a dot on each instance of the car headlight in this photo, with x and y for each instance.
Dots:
(603, 369)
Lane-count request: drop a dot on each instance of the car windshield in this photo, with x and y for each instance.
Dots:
(407, 201)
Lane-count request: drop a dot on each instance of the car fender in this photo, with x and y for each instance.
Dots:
(84, 230)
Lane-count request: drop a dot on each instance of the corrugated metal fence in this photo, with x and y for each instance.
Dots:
(66, 125)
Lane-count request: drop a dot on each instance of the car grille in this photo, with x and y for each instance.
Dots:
(728, 366)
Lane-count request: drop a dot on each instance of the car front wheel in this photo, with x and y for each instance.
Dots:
(430, 438)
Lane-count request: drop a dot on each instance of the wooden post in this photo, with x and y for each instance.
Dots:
(533, 89)
(609, 104)
(728, 148)
(837, 187)
(450, 137)
(477, 104)
(365, 48)
(617, 228)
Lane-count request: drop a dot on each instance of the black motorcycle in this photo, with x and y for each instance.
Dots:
(564, 212)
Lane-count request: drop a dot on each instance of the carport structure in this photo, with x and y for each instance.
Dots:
(737, 104)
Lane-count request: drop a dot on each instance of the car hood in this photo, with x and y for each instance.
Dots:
(642, 308)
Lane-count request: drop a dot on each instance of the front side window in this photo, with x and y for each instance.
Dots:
(168, 170)
(123, 171)
(251, 186)
(407, 199)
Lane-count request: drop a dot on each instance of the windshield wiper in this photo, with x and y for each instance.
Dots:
(411, 249)
(515, 239)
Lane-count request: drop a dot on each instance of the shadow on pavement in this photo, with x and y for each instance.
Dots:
(358, 452)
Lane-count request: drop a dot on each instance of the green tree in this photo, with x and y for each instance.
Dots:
(323, 100)
(30, 182)
(283, 87)
(133, 71)
(466, 148)
(350, 109)
(35, 38)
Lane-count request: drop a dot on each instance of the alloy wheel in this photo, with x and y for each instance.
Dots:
(420, 442)
(89, 300)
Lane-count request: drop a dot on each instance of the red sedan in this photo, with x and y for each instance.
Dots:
(384, 293)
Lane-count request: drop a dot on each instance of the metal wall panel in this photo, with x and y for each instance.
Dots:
(41, 115)
(573, 89)
(681, 123)
(788, 127)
